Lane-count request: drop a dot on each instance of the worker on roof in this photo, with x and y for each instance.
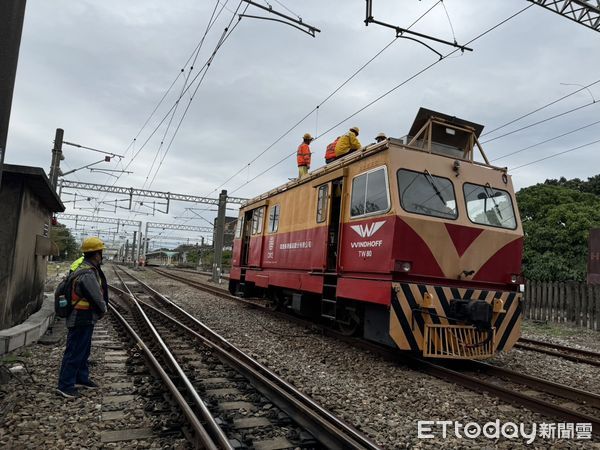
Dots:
(347, 143)
(330, 151)
(303, 155)
(87, 290)
(380, 137)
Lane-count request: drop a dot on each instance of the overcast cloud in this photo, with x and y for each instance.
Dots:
(97, 69)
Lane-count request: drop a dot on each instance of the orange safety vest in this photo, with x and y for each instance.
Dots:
(330, 151)
(303, 155)
(80, 302)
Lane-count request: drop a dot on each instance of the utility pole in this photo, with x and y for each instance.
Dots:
(133, 247)
(12, 14)
(57, 156)
(219, 237)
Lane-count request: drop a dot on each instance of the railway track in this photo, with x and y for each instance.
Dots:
(561, 351)
(239, 402)
(539, 395)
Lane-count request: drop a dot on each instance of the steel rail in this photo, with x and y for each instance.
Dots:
(532, 403)
(550, 387)
(470, 382)
(217, 433)
(577, 355)
(199, 284)
(198, 428)
(327, 428)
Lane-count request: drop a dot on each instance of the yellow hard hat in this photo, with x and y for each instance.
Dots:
(92, 244)
(307, 136)
(355, 129)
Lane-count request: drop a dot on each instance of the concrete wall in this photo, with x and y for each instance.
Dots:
(22, 272)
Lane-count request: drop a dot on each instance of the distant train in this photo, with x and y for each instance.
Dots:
(412, 243)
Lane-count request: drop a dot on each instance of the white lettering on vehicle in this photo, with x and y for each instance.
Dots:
(367, 230)
(295, 245)
(366, 244)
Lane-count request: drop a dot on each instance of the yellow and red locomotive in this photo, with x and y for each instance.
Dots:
(411, 242)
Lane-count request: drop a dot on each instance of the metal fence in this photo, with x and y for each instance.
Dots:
(569, 302)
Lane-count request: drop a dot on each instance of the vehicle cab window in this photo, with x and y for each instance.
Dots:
(489, 206)
(257, 220)
(370, 193)
(430, 195)
(322, 203)
(274, 219)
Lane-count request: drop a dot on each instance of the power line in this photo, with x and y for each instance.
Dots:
(556, 154)
(160, 102)
(540, 108)
(390, 91)
(316, 109)
(546, 141)
(547, 119)
(209, 25)
(226, 33)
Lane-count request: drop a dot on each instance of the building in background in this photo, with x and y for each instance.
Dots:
(27, 202)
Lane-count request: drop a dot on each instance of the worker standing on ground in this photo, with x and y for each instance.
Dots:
(347, 143)
(380, 137)
(87, 291)
(303, 155)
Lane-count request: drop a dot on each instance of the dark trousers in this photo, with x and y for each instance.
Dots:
(74, 367)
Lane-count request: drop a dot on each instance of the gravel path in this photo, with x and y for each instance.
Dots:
(383, 399)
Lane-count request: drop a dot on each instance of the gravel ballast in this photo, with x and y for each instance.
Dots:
(381, 398)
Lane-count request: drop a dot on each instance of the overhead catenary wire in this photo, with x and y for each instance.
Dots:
(209, 25)
(540, 108)
(226, 33)
(224, 36)
(160, 102)
(547, 119)
(555, 155)
(546, 141)
(316, 108)
(390, 91)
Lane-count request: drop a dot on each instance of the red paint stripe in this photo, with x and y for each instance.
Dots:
(505, 262)
(462, 236)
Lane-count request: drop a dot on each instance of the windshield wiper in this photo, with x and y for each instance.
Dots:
(434, 186)
(486, 187)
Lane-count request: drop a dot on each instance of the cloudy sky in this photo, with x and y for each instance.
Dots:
(98, 69)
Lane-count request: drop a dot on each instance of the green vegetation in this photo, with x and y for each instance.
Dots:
(557, 216)
(205, 255)
(67, 246)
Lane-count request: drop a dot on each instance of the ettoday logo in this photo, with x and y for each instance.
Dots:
(427, 429)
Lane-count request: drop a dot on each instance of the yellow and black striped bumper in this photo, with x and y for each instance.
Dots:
(418, 321)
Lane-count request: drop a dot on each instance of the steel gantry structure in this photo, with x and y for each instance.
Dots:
(580, 11)
(137, 235)
(135, 192)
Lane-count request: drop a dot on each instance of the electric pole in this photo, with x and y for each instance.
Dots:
(57, 156)
(219, 237)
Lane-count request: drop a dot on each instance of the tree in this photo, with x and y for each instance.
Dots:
(66, 243)
(556, 221)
